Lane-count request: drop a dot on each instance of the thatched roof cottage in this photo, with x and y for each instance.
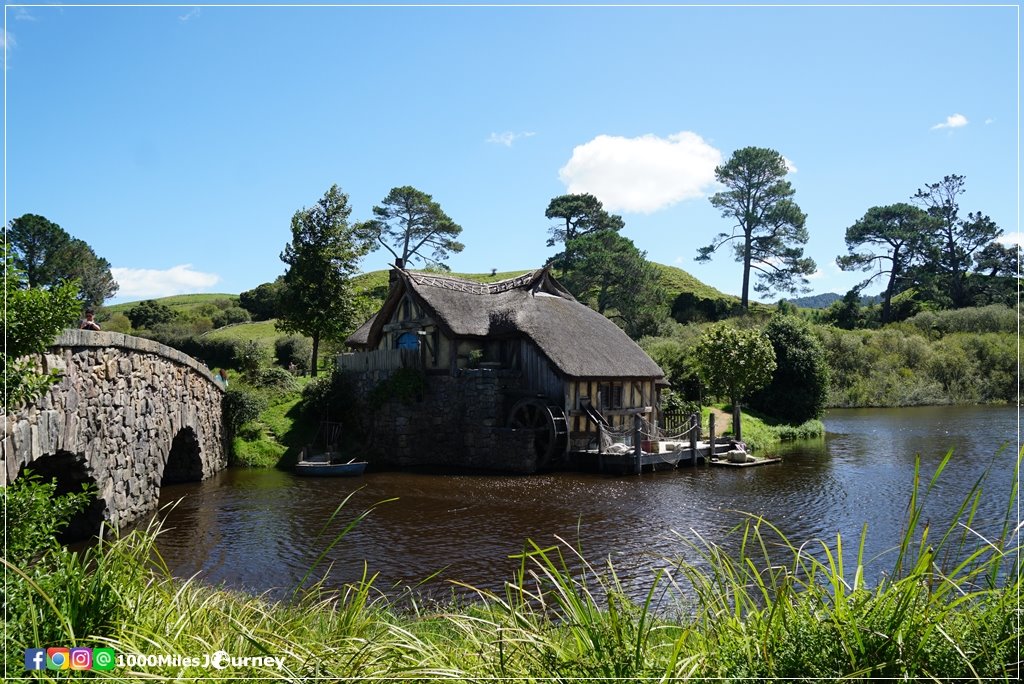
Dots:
(566, 367)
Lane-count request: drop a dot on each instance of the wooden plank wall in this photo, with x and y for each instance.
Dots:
(379, 359)
(538, 375)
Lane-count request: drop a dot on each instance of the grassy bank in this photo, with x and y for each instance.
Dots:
(760, 432)
(949, 609)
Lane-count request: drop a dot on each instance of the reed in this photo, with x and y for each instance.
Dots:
(768, 607)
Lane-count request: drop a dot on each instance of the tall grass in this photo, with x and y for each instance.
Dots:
(949, 609)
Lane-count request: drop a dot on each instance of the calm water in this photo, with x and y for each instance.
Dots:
(258, 529)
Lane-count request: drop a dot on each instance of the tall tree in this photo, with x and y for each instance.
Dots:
(887, 240)
(954, 240)
(33, 317)
(577, 216)
(768, 226)
(48, 255)
(323, 255)
(408, 223)
(612, 276)
(734, 363)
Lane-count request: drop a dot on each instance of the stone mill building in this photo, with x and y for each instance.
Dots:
(517, 374)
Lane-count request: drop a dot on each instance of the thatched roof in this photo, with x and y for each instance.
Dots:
(577, 340)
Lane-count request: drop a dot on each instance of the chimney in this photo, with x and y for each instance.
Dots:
(393, 274)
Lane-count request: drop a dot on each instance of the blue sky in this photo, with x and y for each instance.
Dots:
(179, 140)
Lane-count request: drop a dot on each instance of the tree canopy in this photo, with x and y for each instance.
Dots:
(613, 277)
(798, 388)
(33, 318)
(578, 215)
(48, 256)
(324, 253)
(733, 362)
(768, 228)
(409, 223)
(953, 240)
(889, 241)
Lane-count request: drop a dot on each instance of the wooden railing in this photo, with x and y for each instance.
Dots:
(379, 360)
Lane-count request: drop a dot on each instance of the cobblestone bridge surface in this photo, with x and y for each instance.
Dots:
(129, 415)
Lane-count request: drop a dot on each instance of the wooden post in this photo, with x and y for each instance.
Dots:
(600, 438)
(694, 426)
(637, 450)
(711, 435)
(737, 434)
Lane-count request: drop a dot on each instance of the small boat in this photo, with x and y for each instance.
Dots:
(328, 462)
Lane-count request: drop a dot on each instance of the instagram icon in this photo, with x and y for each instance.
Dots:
(81, 658)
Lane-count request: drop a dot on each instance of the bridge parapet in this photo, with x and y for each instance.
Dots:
(128, 414)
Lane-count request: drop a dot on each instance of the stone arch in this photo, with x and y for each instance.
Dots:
(184, 460)
(71, 471)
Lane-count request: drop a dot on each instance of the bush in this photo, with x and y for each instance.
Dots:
(294, 349)
(150, 313)
(274, 378)
(799, 386)
(250, 357)
(241, 406)
(230, 316)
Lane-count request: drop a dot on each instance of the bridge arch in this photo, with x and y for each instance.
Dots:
(129, 413)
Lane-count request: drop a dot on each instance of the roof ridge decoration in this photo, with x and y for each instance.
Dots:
(469, 286)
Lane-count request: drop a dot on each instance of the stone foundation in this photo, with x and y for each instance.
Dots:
(456, 423)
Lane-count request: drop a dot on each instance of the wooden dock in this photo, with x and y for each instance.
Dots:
(669, 456)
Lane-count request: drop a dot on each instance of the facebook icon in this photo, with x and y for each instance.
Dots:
(35, 658)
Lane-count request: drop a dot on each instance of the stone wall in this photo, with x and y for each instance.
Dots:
(123, 408)
(456, 423)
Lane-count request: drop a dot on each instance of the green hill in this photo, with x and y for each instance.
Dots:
(180, 303)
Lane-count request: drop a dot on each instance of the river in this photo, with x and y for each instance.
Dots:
(260, 530)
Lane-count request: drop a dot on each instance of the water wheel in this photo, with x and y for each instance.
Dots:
(548, 423)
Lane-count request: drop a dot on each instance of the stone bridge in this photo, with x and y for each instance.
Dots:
(129, 416)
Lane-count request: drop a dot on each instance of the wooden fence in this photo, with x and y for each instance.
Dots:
(379, 360)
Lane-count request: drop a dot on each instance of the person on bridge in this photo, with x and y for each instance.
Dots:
(89, 323)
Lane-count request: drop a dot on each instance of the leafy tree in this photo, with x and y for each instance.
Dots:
(408, 222)
(953, 240)
(578, 215)
(33, 318)
(230, 315)
(897, 230)
(769, 226)
(846, 313)
(612, 276)
(263, 301)
(799, 387)
(323, 255)
(149, 314)
(49, 256)
(999, 260)
(734, 363)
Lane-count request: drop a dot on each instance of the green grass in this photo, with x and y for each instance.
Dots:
(774, 608)
(263, 332)
(179, 303)
(760, 432)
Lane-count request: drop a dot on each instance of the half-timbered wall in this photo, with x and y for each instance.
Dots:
(618, 400)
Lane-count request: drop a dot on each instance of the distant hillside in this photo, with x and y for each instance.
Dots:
(180, 303)
(823, 301)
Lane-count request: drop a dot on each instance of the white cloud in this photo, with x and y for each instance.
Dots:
(508, 137)
(149, 282)
(1011, 239)
(7, 44)
(816, 275)
(988, 121)
(642, 174)
(194, 12)
(954, 121)
(22, 14)
(790, 166)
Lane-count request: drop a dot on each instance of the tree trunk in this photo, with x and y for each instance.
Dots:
(745, 298)
(316, 349)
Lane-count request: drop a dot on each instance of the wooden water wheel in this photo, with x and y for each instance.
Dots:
(549, 424)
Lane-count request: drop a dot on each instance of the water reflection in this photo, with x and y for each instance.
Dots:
(261, 530)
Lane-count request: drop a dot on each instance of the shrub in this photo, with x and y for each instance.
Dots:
(230, 315)
(150, 313)
(274, 378)
(799, 386)
(250, 357)
(733, 363)
(241, 406)
(294, 349)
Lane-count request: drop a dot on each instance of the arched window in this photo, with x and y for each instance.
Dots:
(409, 340)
